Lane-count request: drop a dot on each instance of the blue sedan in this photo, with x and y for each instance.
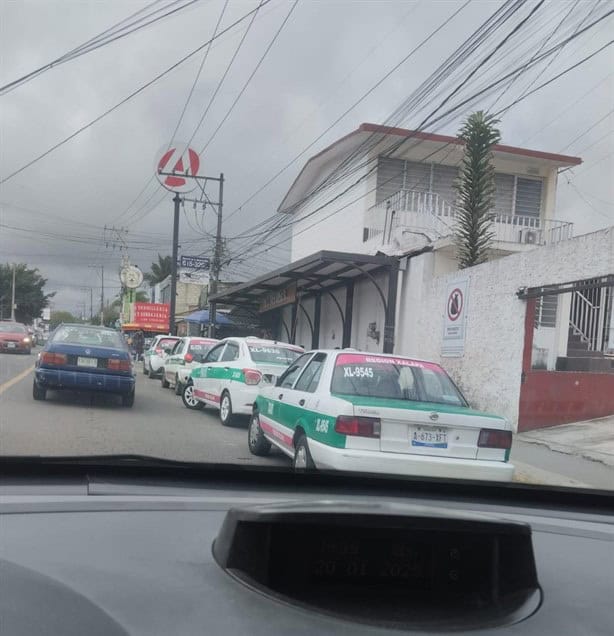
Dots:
(85, 358)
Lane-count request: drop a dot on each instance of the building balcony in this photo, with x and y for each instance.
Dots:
(418, 212)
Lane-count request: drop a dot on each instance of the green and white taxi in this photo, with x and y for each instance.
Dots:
(187, 354)
(233, 372)
(377, 413)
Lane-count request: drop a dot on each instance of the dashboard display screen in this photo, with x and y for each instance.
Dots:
(392, 558)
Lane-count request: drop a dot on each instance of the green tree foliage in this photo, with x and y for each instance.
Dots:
(159, 271)
(58, 317)
(476, 189)
(30, 297)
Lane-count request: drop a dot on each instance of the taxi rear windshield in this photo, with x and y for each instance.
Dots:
(394, 379)
(200, 347)
(273, 355)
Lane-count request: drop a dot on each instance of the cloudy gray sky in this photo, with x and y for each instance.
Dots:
(328, 54)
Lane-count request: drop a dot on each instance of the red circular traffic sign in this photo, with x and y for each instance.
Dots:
(176, 167)
(455, 304)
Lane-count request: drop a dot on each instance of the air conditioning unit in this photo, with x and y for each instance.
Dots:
(529, 236)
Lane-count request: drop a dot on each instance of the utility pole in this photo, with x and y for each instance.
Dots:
(217, 258)
(101, 291)
(13, 296)
(102, 295)
(177, 202)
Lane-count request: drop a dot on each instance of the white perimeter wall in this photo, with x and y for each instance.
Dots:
(489, 371)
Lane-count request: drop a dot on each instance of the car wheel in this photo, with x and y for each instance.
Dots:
(38, 392)
(303, 461)
(189, 401)
(257, 442)
(226, 416)
(178, 387)
(128, 399)
(163, 380)
(145, 371)
(151, 374)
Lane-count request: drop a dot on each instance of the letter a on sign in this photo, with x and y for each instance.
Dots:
(175, 167)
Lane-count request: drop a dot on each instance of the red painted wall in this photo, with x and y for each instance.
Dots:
(548, 398)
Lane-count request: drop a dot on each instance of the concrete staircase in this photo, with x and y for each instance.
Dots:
(581, 358)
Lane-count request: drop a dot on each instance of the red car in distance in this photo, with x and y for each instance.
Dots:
(14, 337)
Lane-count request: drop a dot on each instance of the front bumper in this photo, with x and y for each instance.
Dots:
(327, 457)
(61, 379)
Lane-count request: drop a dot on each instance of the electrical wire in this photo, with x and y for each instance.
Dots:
(503, 110)
(130, 96)
(249, 79)
(97, 42)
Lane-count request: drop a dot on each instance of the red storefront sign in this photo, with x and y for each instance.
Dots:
(152, 316)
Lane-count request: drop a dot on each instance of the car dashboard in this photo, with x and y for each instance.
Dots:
(98, 549)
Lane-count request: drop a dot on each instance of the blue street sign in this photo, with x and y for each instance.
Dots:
(195, 262)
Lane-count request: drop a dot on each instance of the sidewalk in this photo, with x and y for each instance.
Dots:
(592, 439)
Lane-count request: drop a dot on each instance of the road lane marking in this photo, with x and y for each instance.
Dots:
(9, 383)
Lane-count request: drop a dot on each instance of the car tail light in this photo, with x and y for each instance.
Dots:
(495, 438)
(360, 426)
(188, 357)
(252, 376)
(48, 357)
(118, 365)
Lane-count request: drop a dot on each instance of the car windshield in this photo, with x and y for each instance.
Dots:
(393, 379)
(88, 336)
(198, 348)
(7, 327)
(165, 343)
(273, 354)
(330, 235)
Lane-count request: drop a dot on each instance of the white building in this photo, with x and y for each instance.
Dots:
(374, 267)
(401, 196)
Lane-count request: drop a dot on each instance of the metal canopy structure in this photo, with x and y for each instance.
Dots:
(317, 275)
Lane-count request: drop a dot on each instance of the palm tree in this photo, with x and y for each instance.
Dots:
(159, 271)
(476, 189)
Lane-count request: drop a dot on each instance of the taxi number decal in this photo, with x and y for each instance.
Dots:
(357, 372)
(236, 375)
(270, 407)
(321, 425)
(264, 350)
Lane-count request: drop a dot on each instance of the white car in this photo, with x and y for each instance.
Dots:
(188, 353)
(378, 413)
(153, 358)
(233, 372)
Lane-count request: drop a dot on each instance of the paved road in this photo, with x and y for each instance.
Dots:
(159, 425)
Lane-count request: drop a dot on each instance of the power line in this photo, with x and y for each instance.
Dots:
(185, 106)
(352, 107)
(451, 110)
(97, 42)
(131, 96)
(592, 126)
(249, 79)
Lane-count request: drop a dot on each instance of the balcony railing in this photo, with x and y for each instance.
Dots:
(427, 212)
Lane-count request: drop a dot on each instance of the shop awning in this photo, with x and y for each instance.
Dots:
(322, 271)
(202, 317)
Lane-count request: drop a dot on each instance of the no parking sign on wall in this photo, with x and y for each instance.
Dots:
(455, 319)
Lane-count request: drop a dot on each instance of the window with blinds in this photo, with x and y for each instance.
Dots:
(504, 193)
(444, 178)
(417, 176)
(528, 196)
(389, 178)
